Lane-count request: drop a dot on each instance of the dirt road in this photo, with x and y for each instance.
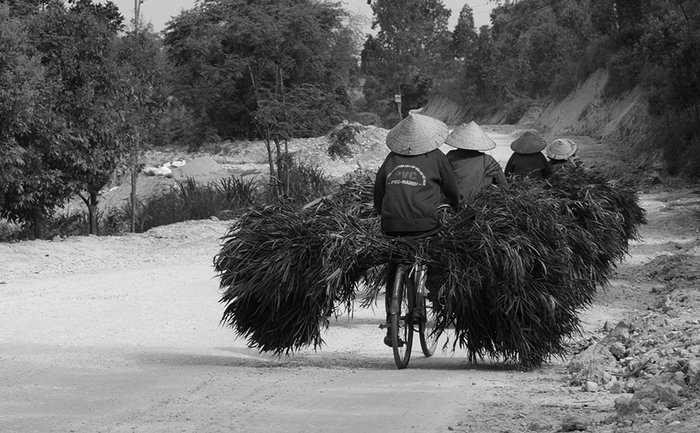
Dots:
(132, 343)
(122, 334)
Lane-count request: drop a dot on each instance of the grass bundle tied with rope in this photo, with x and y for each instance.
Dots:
(518, 264)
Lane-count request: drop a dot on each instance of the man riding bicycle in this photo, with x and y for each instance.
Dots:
(415, 178)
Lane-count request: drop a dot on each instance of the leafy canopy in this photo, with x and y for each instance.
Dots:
(230, 55)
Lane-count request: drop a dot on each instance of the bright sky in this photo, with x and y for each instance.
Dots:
(158, 12)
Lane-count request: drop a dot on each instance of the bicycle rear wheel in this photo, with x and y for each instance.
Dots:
(429, 333)
(402, 303)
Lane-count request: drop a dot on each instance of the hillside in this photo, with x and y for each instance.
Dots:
(585, 111)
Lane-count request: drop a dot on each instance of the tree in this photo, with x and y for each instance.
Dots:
(264, 70)
(143, 68)
(294, 114)
(228, 53)
(31, 181)
(464, 37)
(77, 51)
(408, 53)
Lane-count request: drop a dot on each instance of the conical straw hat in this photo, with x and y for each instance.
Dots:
(561, 149)
(471, 137)
(529, 142)
(416, 134)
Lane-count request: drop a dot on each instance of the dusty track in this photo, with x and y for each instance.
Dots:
(117, 334)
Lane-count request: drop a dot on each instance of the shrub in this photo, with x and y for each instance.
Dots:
(596, 55)
(623, 70)
(236, 192)
(565, 81)
(10, 231)
(515, 110)
(679, 140)
(368, 118)
(340, 140)
(303, 181)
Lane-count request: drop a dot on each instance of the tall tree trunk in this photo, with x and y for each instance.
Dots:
(92, 212)
(281, 165)
(271, 162)
(286, 158)
(134, 179)
(91, 202)
(38, 224)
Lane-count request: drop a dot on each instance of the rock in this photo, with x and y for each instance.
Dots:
(587, 366)
(607, 378)
(616, 387)
(630, 384)
(539, 426)
(574, 423)
(158, 171)
(659, 393)
(620, 333)
(591, 386)
(692, 374)
(627, 407)
(618, 350)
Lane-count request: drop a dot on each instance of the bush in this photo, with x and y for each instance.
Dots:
(10, 231)
(368, 118)
(679, 139)
(623, 69)
(596, 55)
(340, 140)
(302, 181)
(565, 81)
(515, 110)
(191, 200)
(237, 192)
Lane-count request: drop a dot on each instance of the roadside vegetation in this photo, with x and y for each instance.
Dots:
(83, 93)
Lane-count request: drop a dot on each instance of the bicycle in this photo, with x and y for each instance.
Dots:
(411, 311)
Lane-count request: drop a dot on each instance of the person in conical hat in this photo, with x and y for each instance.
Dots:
(473, 168)
(527, 158)
(412, 182)
(560, 152)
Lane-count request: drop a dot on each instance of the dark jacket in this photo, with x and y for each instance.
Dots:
(533, 165)
(408, 190)
(475, 170)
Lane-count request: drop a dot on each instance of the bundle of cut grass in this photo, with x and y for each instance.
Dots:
(529, 261)
(518, 264)
(285, 271)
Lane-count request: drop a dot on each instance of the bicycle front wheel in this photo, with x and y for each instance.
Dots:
(402, 304)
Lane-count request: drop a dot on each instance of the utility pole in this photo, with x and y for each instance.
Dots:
(137, 136)
(137, 14)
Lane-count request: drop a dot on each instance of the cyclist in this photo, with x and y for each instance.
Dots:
(561, 153)
(473, 168)
(527, 159)
(413, 181)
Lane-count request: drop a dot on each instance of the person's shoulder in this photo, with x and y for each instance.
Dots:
(436, 154)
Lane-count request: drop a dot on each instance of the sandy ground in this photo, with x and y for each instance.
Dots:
(122, 334)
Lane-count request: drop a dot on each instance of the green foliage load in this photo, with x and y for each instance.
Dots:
(518, 264)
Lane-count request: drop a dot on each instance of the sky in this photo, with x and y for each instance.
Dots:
(158, 12)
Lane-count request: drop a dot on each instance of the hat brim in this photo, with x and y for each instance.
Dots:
(560, 149)
(528, 143)
(470, 136)
(416, 134)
